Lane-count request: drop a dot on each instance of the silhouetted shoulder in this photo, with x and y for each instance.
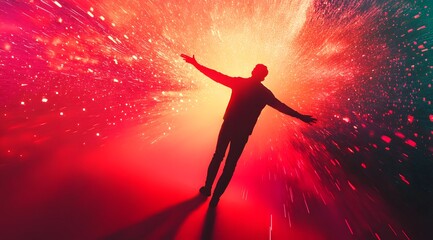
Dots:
(266, 93)
(239, 82)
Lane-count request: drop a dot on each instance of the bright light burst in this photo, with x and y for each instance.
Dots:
(90, 68)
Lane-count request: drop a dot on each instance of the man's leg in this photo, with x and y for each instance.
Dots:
(222, 143)
(236, 147)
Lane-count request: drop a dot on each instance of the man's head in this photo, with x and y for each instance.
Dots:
(259, 72)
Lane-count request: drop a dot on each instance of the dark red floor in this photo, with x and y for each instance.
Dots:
(133, 188)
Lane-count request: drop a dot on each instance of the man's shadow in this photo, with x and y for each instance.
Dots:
(162, 225)
(208, 225)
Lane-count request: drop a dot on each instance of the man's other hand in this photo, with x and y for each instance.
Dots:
(308, 119)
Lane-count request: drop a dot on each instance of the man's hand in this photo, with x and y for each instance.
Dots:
(308, 119)
(188, 59)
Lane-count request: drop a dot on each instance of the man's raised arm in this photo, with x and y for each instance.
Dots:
(277, 104)
(212, 74)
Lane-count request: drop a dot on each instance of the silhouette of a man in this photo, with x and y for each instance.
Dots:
(249, 96)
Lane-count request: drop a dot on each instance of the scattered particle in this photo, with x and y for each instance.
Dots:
(386, 139)
(399, 135)
(58, 4)
(306, 204)
(404, 233)
(410, 118)
(420, 28)
(348, 226)
(410, 142)
(7, 47)
(112, 39)
(403, 178)
(392, 229)
(377, 236)
(351, 185)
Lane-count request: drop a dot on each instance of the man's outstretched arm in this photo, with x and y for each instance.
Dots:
(212, 74)
(277, 104)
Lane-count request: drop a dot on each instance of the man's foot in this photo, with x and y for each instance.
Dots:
(204, 191)
(213, 202)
